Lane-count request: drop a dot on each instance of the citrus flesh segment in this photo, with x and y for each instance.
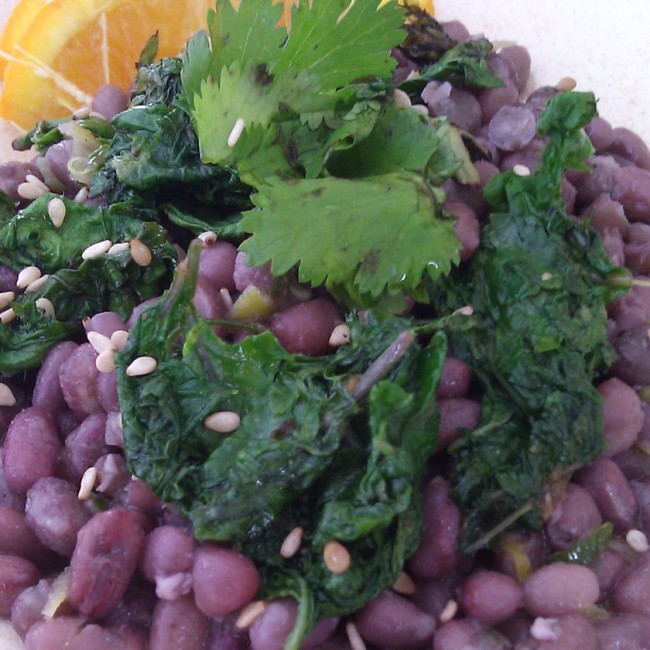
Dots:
(75, 46)
(19, 21)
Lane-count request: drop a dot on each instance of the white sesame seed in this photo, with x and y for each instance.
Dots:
(7, 398)
(521, 170)
(340, 336)
(81, 196)
(467, 310)
(28, 275)
(30, 191)
(99, 341)
(545, 629)
(56, 210)
(140, 252)
(87, 484)
(449, 611)
(546, 276)
(81, 113)
(6, 297)
(356, 642)
(118, 248)
(46, 307)
(95, 250)
(105, 361)
(236, 132)
(637, 541)
(141, 366)
(37, 284)
(226, 298)
(292, 542)
(336, 557)
(401, 99)
(7, 316)
(249, 614)
(208, 237)
(404, 585)
(565, 84)
(222, 421)
(118, 339)
(35, 180)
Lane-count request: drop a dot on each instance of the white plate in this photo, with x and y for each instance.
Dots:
(602, 44)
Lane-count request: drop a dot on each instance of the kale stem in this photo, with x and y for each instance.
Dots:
(383, 364)
(499, 528)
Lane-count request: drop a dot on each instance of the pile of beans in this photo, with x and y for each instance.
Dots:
(90, 557)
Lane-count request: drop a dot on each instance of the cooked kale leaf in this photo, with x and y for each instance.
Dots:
(537, 339)
(308, 452)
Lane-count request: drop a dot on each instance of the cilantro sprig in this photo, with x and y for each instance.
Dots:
(346, 183)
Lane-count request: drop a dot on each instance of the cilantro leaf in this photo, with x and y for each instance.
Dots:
(342, 41)
(380, 233)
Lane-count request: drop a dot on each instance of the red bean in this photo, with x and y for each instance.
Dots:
(491, 597)
(209, 303)
(16, 537)
(224, 580)
(608, 568)
(84, 446)
(600, 133)
(437, 554)
(47, 391)
(520, 553)
(167, 561)
(16, 574)
(575, 517)
(56, 160)
(224, 635)
(31, 449)
(629, 145)
(611, 491)
(28, 607)
(455, 29)
(455, 378)
(217, 265)
(631, 187)
(138, 309)
(560, 588)
(512, 128)
(106, 323)
(112, 474)
(114, 436)
(633, 363)
(456, 414)
(55, 514)
(465, 634)
(605, 214)
(574, 632)
(460, 107)
(54, 634)
(466, 228)
(306, 327)
(632, 593)
(107, 391)
(493, 99)
(432, 596)
(107, 552)
(392, 621)
(109, 101)
(270, 630)
(529, 156)
(257, 276)
(137, 497)
(135, 610)
(178, 624)
(78, 377)
(622, 414)
(623, 632)
(519, 59)
(601, 179)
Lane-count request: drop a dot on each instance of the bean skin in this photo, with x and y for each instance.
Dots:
(47, 391)
(17, 538)
(491, 597)
(16, 574)
(466, 228)
(54, 634)
(78, 377)
(437, 554)
(560, 588)
(612, 492)
(224, 580)
(31, 449)
(623, 632)
(456, 414)
(217, 265)
(632, 593)
(27, 608)
(629, 145)
(178, 624)
(622, 413)
(106, 555)
(109, 101)
(575, 517)
(84, 446)
(631, 187)
(455, 378)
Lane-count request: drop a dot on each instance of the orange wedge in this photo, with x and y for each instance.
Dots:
(17, 24)
(72, 47)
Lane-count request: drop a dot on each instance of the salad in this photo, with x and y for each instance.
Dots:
(326, 338)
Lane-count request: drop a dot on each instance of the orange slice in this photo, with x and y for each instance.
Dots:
(17, 24)
(73, 47)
